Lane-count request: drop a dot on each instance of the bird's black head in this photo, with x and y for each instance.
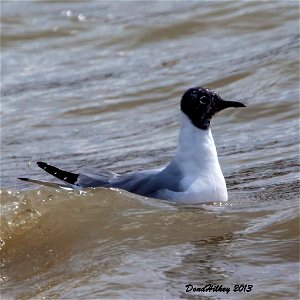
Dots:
(200, 104)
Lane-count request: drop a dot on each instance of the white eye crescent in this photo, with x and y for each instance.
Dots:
(201, 102)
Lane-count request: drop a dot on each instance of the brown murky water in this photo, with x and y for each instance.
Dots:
(94, 84)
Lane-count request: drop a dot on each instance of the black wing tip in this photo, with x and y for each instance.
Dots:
(22, 178)
(42, 164)
(65, 176)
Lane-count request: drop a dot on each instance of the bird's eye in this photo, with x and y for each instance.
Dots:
(201, 99)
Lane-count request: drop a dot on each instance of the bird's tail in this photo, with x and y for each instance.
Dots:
(47, 183)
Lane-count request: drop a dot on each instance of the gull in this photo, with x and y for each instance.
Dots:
(194, 174)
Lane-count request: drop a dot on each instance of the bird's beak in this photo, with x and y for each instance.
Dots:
(234, 104)
(225, 104)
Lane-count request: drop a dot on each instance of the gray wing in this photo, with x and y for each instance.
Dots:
(132, 182)
(168, 178)
(144, 183)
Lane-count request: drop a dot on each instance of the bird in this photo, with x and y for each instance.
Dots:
(194, 174)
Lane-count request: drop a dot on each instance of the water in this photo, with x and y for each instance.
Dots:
(90, 84)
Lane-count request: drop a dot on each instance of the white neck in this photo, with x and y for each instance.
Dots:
(196, 151)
